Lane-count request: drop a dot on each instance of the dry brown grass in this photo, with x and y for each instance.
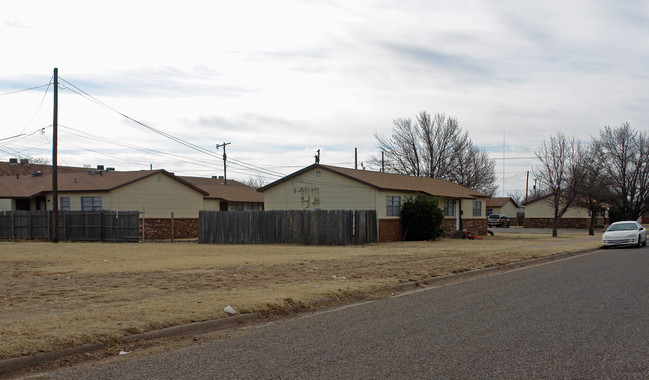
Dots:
(60, 295)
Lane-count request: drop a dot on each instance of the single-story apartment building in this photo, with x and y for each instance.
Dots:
(504, 205)
(325, 187)
(539, 213)
(227, 195)
(158, 195)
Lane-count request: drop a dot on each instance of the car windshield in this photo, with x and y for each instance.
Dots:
(622, 227)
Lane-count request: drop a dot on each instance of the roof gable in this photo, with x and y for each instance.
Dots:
(27, 186)
(394, 182)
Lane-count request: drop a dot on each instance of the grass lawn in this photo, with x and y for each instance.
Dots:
(55, 296)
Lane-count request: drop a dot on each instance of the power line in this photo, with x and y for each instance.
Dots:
(242, 164)
(26, 89)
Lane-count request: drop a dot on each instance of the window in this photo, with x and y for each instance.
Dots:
(236, 206)
(252, 206)
(393, 206)
(64, 203)
(490, 211)
(449, 207)
(90, 203)
(477, 208)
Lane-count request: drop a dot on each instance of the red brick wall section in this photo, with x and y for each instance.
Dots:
(160, 229)
(563, 223)
(448, 225)
(475, 226)
(390, 230)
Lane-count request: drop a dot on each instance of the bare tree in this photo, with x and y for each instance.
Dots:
(516, 197)
(435, 146)
(592, 195)
(561, 173)
(623, 154)
(255, 182)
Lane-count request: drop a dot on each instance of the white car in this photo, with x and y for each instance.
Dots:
(624, 233)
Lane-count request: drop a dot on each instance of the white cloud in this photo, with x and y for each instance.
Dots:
(282, 79)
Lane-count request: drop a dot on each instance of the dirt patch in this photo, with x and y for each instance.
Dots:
(54, 296)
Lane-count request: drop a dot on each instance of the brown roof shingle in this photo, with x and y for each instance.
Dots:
(396, 182)
(28, 185)
(234, 191)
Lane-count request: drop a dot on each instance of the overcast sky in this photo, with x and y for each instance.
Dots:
(281, 79)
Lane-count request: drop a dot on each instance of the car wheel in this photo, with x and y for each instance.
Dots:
(644, 243)
(605, 246)
(639, 241)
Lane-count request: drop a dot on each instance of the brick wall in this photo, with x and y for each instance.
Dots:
(476, 226)
(390, 230)
(448, 225)
(563, 223)
(160, 229)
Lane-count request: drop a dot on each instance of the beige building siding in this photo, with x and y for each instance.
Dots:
(75, 200)
(160, 195)
(211, 204)
(508, 209)
(5, 204)
(321, 189)
(467, 209)
(541, 209)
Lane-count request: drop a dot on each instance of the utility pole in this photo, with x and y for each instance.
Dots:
(225, 157)
(55, 138)
(527, 181)
(382, 162)
(317, 157)
(355, 158)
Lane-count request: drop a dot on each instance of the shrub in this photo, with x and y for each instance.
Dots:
(422, 218)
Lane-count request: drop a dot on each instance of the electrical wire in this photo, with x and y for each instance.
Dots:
(241, 164)
(26, 89)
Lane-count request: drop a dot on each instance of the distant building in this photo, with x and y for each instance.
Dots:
(540, 214)
(506, 206)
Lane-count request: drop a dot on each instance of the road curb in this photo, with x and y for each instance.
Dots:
(13, 364)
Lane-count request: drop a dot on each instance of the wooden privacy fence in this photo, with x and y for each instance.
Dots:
(101, 225)
(321, 227)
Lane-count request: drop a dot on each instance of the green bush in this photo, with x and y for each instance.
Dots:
(422, 218)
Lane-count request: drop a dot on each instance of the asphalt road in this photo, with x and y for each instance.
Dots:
(584, 317)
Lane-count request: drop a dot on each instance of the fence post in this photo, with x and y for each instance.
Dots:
(143, 220)
(172, 226)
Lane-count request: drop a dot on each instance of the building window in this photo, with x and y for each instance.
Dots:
(236, 206)
(90, 203)
(449, 207)
(490, 211)
(64, 203)
(252, 206)
(393, 206)
(477, 208)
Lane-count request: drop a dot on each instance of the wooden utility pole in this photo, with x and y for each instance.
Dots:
(55, 138)
(225, 157)
(527, 182)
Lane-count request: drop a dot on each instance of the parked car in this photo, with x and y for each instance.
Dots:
(624, 233)
(497, 220)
